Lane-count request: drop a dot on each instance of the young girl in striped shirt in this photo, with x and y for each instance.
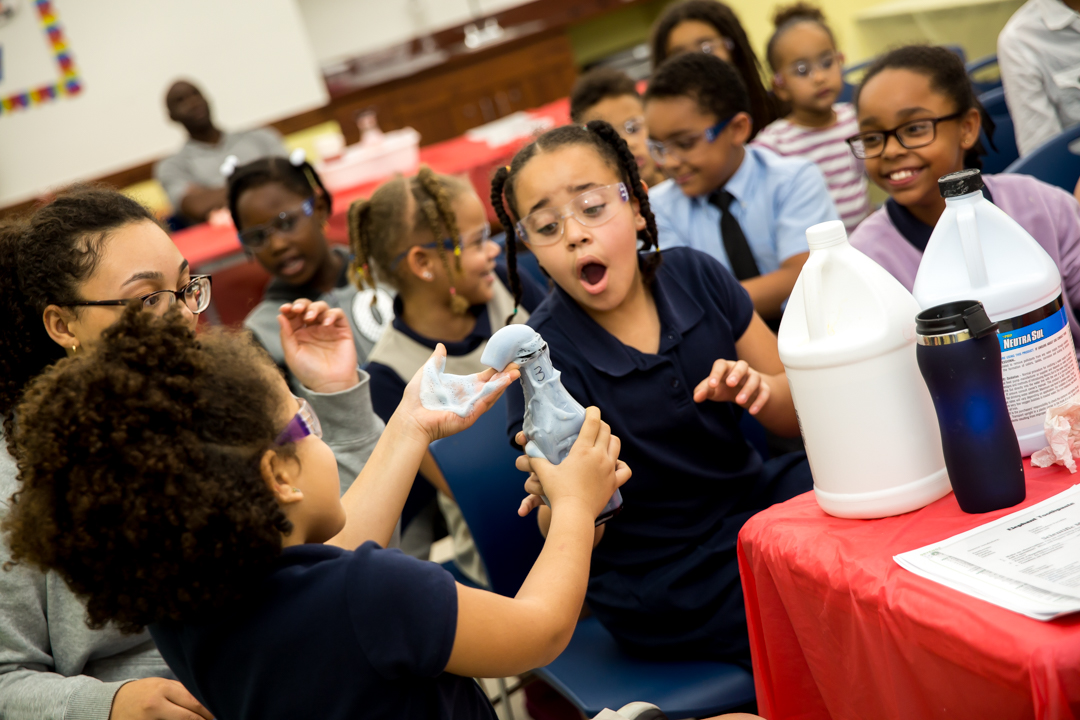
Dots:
(807, 75)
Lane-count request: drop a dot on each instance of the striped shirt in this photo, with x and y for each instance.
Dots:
(826, 148)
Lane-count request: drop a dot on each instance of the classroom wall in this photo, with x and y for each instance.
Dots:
(343, 29)
(252, 57)
(972, 24)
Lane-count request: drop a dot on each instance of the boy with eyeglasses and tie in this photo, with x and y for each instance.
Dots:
(744, 205)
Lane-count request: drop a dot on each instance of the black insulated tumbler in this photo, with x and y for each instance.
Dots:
(960, 360)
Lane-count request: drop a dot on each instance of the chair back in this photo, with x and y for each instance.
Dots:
(478, 465)
(982, 75)
(1004, 151)
(1056, 162)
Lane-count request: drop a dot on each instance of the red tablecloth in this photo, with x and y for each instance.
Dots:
(839, 630)
(204, 245)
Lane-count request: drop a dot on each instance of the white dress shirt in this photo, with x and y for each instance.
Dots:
(1039, 57)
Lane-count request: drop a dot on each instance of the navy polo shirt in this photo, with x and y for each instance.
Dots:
(330, 634)
(666, 565)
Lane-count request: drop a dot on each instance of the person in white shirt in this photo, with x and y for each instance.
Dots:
(1039, 57)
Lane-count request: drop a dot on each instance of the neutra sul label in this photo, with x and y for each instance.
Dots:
(1038, 362)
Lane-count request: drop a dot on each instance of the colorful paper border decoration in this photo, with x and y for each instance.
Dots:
(69, 83)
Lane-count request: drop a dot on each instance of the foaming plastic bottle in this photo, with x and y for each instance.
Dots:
(977, 252)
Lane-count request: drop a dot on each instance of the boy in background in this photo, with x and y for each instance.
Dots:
(610, 95)
(744, 205)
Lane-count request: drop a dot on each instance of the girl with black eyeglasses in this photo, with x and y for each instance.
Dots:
(919, 120)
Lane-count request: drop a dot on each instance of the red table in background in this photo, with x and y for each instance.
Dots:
(210, 248)
(839, 630)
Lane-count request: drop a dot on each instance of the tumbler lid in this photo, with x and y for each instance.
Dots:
(960, 183)
(967, 317)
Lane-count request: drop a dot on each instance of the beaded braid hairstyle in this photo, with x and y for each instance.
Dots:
(606, 141)
(380, 228)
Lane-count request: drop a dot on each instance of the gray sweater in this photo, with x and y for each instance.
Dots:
(52, 666)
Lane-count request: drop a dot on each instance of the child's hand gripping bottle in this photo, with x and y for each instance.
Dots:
(553, 418)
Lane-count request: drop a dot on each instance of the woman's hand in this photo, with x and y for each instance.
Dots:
(156, 699)
(735, 382)
(430, 425)
(590, 474)
(318, 345)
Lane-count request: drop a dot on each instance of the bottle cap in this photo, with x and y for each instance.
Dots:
(960, 183)
(826, 234)
(956, 317)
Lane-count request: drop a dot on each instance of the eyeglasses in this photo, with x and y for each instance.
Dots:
(709, 47)
(803, 69)
(476, 242)
(912, 135)
(305, 422)
(632, 127)
(677, 149)
(256, 236)
(592, 208)
(195, 296)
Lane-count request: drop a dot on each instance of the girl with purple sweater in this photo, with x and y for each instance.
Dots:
(921, 100)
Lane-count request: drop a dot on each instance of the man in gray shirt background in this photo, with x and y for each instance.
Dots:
(192, 177)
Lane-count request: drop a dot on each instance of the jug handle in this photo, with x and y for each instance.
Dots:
(969, 241)
(811, 287)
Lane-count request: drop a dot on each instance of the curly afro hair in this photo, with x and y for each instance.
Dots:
(43, 260)
(139, 472)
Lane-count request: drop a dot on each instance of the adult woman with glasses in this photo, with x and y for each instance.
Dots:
(69, 270)
(279, 207)
(712, 27)
(919, 120)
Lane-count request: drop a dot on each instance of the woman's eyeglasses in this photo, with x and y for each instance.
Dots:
(256, 236)
(195, 296)
(912, 135)
(305, 422)
(476, 242)
(661, 152)
(591, 208)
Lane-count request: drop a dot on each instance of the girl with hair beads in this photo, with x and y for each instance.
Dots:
(178, 484)
(280, 207)
(711, 27)
(428, 238)
(919, 120)
(808, 76)
(69, 269)
(670, 346)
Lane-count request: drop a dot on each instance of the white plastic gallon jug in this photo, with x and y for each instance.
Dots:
(977, 252)
(847, 341)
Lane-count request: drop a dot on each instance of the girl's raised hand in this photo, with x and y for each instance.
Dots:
(318, 345)
(736, 382)
(480, 392)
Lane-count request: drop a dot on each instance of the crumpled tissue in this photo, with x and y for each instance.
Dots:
(1062, 427)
